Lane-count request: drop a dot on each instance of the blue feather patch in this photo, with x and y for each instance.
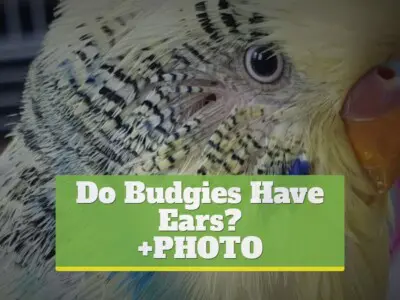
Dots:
(135, 282)
(300, 167)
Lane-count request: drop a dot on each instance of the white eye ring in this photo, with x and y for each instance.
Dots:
(263, 65)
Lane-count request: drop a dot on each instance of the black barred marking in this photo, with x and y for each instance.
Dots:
(243, 144)
(160, 78)
(112, 96)
(86, 99)
(27, 173)
(181, 59)
(19, 247)
(110, 33)
(90, 43)
(197, 121)
(29, 135)
(30, 142)
(117, 119)
(109, 68)
(5, 238)
(50, 255)
(154, 64)
(223, 4)
(107, 30)
(254, 142)
(161, 129)
(229, 127)
(125, 78)
(214, 159)
(162, 96)
(158, 113)
(149, 58)
(148, 103)
(171, 146)
(36, 111)
(120, 75)
(234, 121)
(173, 119)
(40, 222)
(237, 158)
(120, 21)
(257, 34)
(227, 168)
(179, 89)
(201, 6)
(214, 145)
(205, 21)
(202, 171)
(96, 56)
(187, 127)
(176, 135)
(155, 163)
(195, 52)
(15, 237)
(107, 153)
(228, 18)
(85, 37)
(104, 150)
(218, 133)
(256, 19)
(82, 55)
(230, 22)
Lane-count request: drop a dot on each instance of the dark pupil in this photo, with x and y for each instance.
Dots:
(264, 62)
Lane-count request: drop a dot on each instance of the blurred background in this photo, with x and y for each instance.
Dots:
(23, 24)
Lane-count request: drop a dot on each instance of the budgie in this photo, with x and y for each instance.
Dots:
(194, 87)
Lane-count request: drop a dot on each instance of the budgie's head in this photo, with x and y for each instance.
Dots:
(223, 86)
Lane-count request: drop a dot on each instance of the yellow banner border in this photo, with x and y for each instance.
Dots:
(200, 269)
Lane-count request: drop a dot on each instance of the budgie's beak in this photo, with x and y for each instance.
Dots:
(371, 113)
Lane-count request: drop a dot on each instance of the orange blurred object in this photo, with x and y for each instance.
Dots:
(371, 114)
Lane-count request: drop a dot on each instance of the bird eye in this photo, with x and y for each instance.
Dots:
(263, 65)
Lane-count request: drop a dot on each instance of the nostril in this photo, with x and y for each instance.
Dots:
(210, 98)
(386, 73)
